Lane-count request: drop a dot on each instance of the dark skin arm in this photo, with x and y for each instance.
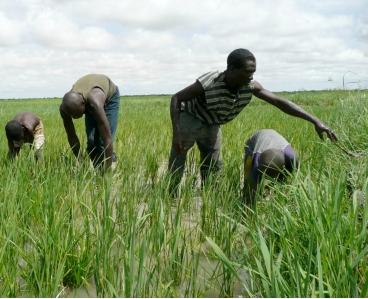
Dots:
(96, 101)
(70, 131)
(188, 93)
(292, 109)
(13, 151)
(250, 186)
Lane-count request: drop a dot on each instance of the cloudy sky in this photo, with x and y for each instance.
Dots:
(151, 47)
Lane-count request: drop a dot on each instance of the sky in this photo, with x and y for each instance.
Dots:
(160, 47)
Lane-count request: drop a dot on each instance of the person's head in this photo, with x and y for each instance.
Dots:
(272, 164)
(241, 65)
(73, 104)
(277, 163)
(15, 133)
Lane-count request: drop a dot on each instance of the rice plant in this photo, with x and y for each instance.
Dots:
(65, 230)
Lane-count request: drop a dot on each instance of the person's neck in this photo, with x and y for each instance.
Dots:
(232, 88)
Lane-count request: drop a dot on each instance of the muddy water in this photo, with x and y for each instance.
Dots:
(208, 280)
(206, 270)
(87, 291)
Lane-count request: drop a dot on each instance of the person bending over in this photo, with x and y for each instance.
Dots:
(98, 98)
(25, 127)
(267, 153)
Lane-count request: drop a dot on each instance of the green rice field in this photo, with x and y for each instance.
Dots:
(67, 231)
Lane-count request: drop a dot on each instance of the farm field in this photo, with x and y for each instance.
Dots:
(67, 231)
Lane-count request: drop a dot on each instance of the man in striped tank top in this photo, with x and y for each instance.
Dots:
(198, 111)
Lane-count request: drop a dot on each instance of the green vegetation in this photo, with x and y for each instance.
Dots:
(67, 231)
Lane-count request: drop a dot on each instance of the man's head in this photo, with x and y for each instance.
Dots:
(73, 104)
(15, 133)
(241, 65)
(272, 163)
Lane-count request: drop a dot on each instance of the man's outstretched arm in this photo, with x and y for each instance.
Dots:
(292, 109)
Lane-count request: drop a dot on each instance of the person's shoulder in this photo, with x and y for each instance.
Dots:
(96, 97)
(98, 77)
(210, 74)
(31, 116)
(209, 78)
(262, 134)
(92, 77)
(26, 115)
(255, 86)
(268, 132)
(272, 134)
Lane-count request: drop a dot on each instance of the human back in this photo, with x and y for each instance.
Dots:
(85, 84)
(29, 121)
(265, 139)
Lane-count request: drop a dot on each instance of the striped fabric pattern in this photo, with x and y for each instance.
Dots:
(219, 105)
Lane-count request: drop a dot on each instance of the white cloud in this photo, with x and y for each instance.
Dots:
(53, 29)
(10, 31)
(162, 46)
(363, 27)
(150, 14)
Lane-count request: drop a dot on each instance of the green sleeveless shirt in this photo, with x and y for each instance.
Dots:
(88, 82)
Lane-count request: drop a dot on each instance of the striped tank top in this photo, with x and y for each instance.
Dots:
(219, 105)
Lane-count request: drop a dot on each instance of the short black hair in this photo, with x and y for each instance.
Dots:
(237, 57)
(14, 130)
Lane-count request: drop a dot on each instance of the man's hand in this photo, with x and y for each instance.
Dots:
(321, 128)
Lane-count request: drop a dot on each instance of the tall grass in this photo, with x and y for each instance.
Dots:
(65, 229)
